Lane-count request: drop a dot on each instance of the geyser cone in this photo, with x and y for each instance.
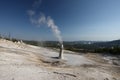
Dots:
(61, 51)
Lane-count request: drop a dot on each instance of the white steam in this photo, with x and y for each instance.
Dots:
(39, 19)
(51, 24)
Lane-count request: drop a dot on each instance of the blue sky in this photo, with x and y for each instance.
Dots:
(76, 19)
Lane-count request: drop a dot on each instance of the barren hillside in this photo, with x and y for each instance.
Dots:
(19, 61)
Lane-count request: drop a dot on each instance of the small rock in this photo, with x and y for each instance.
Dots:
(114, 78)
(106, 79)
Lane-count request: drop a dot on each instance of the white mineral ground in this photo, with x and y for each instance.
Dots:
(19, 61)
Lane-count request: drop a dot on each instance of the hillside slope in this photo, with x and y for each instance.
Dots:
(19, 61)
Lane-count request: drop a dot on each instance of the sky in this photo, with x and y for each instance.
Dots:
(95, 20)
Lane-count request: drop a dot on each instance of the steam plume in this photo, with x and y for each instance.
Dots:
(39, 19)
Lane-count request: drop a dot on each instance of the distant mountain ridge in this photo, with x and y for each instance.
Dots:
(109, 43)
